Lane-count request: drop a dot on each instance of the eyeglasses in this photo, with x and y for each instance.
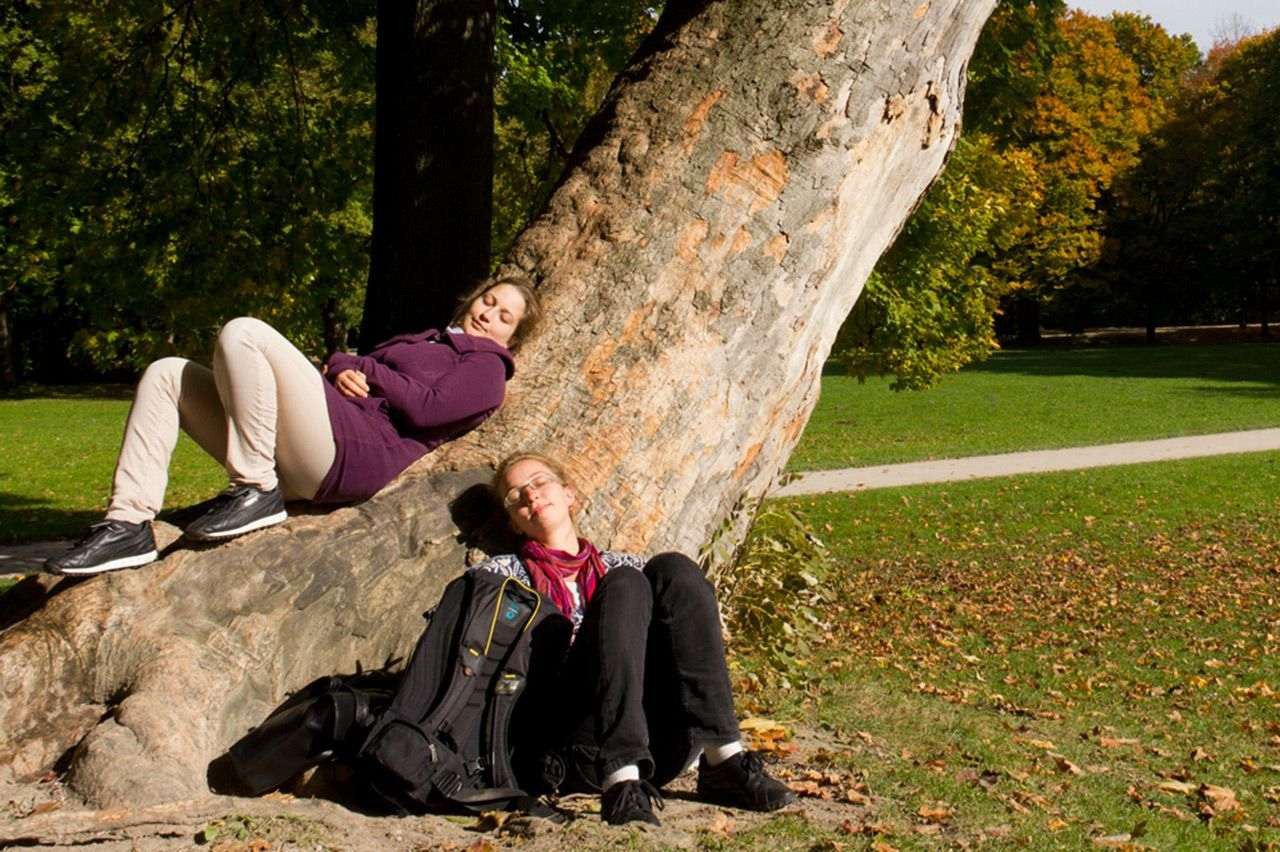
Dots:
(537, 482)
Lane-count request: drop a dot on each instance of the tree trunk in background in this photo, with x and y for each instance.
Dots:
(8, 364)
(433, 163)
(1027, 310)
(717, 225)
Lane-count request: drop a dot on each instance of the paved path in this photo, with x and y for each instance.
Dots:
(1038, 461)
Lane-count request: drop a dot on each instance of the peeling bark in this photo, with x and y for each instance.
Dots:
(712, 233)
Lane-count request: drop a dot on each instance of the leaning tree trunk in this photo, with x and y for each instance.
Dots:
(742, 178)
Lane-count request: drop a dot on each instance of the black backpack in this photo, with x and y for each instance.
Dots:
(444, 739)
(325, 720)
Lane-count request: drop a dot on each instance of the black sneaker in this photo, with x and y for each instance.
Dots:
(741, 782)
(107, 546)
(630, 801)
(238, 510)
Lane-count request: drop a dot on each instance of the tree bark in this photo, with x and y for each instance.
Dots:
(433, 163)
(716, 227)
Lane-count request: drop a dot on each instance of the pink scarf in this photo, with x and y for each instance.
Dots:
(550, 568)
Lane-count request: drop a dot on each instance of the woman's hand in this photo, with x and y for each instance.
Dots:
(352, 383)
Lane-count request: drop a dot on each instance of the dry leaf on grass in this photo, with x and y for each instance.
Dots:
(1181, 787)
(1113, 841)
(940, 812)
(1116, 742)
(1218, 800)
(1057, 824)
(1046, 745)
(1065, 765)
(492, 820)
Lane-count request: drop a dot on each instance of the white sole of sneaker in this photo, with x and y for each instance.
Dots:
(114, 565)
(268, 521)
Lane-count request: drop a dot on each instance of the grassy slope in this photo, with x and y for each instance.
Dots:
(1040, 399)
(1055, 658)
(57, 454)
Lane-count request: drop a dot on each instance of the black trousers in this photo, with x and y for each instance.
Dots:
(645, 682)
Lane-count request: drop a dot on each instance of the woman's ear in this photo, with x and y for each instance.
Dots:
(571, 495)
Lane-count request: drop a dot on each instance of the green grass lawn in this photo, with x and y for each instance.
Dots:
(1046, 398)
(1041, 661)
(57, 454)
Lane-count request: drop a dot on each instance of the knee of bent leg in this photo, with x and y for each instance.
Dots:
(629, 582)
(164, 372)
(240, 330)
(677, 574)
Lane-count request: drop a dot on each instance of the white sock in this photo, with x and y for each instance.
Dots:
(630, 772)
(717, 755)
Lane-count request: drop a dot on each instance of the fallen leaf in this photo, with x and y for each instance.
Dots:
(1198, 754)
(1056, 824)
(482, 846)
(1116, 742)
(1065, 765)
(881, 846)
(941, 812)
(1220, 799)
(492, 820)
(722, 824)
(1041, 744)
(44, 808)
(1181, 787)
(1113, 840)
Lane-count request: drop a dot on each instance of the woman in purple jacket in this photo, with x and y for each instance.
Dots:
(284, 430)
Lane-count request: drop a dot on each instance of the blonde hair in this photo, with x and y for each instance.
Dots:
(496, 485)
(532, 305)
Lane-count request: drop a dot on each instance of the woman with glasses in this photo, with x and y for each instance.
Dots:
(644, 689)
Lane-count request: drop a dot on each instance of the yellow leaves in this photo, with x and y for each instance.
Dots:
(766, 735)
(492, 820)
(1046, 745)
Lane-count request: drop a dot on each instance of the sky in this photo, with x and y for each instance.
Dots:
(1202, 18)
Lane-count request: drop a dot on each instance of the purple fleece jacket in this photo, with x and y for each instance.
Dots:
(424, 389)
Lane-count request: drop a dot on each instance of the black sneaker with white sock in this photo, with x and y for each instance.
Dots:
(630, 801)
(742, 782)
(107, 546)
(236, 511)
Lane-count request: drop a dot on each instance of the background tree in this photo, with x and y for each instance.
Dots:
(433, 163)
(161, 164)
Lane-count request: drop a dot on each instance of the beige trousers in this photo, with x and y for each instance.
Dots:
(260, 412)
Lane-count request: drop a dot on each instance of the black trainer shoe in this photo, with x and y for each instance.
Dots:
(236, 511)
(630, 801)
(107, 546)
(741, 782)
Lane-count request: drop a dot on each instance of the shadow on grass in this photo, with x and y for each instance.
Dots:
(91, 391)
(26, 519)
(1222, 362)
